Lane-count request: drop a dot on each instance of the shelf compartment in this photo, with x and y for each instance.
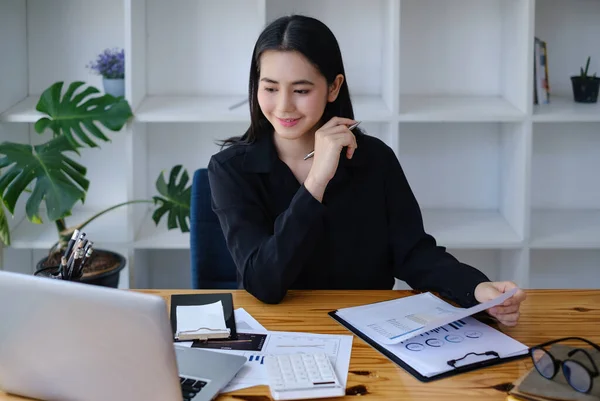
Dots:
(110, 229)
(577, 269)
(497, 264)
(565, 196)
(13, 47)
(57, 51)
(369, 55)
(572, 32)
(469, 179)
(564, 109)
(23, 112)
(189, 144)
(152, 236)
(565, 166)
(460, 229)
(458, 109)
(453, 63)
(556, 228)
(182, 73)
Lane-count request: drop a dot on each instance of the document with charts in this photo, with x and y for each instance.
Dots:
(392, 322)
(428, 336)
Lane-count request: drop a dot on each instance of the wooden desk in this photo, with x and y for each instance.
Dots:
(546, 314)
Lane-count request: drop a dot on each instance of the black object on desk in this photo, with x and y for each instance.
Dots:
(205, 299)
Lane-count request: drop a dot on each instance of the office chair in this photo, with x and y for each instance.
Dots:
(211, 263)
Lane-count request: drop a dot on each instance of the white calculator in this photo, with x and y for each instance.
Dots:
(301, 376)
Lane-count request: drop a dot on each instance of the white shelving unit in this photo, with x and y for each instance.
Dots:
(507, 186)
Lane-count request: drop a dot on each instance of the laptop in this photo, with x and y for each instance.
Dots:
(62, 340)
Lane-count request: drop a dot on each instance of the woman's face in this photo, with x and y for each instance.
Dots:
(292, 93)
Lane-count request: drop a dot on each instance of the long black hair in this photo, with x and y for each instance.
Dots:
(311, 38)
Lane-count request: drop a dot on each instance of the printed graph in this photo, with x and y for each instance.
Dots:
(452, 333)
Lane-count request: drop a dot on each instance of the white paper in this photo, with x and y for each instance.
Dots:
(392, 322)
(243, 321)
(429, 352)
(201, 318)
(253, 373)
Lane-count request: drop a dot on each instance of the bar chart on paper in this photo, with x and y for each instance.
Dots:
(430, 351)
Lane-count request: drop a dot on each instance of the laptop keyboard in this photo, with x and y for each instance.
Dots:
(190, 387)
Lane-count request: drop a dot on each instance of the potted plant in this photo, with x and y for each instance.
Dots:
(111, 65)
(585, 87)
(58, 181)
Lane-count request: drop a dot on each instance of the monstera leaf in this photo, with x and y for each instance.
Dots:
(58, 180)
(175, 200)
(73, 113)
(4, 230)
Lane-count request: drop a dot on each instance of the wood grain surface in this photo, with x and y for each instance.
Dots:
(545, 315)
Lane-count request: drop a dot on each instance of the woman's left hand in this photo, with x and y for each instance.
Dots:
(507, 312)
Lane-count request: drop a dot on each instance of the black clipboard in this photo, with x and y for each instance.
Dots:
(456, 370)
(203, 299)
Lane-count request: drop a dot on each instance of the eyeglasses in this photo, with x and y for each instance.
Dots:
(577, 375)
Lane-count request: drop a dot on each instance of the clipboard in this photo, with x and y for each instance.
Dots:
(494, 359)
(204, 299)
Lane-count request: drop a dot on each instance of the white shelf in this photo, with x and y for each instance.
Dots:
(109, 229)
(565, 229)
(447, 85)
(151, 236)
(23, 112)
(216, 109)
(191, 109)
(564, 109)
(458, 109)
(470, 229)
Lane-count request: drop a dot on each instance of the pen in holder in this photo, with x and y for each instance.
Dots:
(72, 262)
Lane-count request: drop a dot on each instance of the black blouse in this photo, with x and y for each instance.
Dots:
(368, 230)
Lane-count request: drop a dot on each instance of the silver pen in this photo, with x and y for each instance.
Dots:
(311, 154)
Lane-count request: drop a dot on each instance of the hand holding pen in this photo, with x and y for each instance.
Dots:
(330, 140)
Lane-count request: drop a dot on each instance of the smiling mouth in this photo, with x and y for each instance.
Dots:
(288, 122)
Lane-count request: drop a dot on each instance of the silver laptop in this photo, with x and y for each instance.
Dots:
(66, 341)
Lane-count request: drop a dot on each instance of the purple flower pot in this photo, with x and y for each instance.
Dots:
(115, 87)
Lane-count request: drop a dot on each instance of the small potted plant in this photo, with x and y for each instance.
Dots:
(585, 87)
(111, 65)
(53, 178)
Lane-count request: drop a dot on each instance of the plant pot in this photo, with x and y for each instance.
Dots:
(96, 272)
(585, 90)
(115, 87)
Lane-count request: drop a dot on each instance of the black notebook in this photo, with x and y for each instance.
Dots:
(205, 299)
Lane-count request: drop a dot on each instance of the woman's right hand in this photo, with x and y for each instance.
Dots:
(330, 140)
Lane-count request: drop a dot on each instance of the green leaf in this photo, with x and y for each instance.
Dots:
(175, 200)
(4, 229)
(77, 115)
(59, 181)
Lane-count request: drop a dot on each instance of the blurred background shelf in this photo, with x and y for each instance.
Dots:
(504, 184)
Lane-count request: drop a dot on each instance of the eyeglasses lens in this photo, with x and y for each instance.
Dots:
(577, 376)
(543, 363)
